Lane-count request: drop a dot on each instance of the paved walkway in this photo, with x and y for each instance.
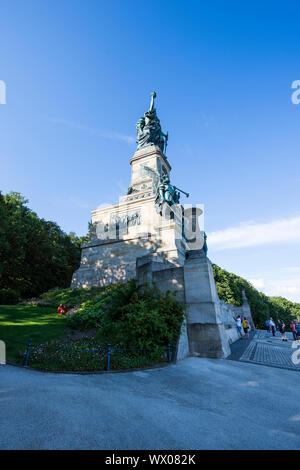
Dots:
(272, 351)
(196, 404)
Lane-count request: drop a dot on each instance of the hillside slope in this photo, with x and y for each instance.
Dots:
(230, 287)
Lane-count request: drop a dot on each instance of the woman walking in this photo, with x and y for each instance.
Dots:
(281, 328)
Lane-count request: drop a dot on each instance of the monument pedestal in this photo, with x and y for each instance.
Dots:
(152, 157)
(206, 332)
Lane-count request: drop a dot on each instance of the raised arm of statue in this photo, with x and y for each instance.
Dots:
(153, 96)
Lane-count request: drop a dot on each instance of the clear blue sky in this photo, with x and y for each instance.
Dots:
(79, 75)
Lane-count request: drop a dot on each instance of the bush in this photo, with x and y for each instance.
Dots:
(141, 318)
(88, 316)
(9, 296)
(131, 316)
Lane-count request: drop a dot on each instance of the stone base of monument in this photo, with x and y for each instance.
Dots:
(208, 340)
(113, 260)
(206, 330)
(203, 334)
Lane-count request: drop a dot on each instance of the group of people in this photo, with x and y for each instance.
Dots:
(294, 326)
(62, 309)
(242, 324)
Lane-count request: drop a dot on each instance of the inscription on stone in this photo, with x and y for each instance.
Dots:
(123, 221)
(139, 197)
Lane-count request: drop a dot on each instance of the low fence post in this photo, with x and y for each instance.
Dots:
(28, 352)
(169, 352)
(108, 357)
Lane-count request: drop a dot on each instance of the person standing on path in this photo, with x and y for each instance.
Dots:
(238, 321)
(281, 328)
(267, 323)
(297, 327)
(272, 325)
(245, 327)
(293, 330)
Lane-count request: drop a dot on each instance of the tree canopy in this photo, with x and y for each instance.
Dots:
(35, 254)
(262, 307)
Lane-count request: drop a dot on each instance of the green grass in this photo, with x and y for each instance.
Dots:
(72, 297)
(20, 323)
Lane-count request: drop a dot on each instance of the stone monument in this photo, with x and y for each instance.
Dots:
(149, 236)
(148, 219)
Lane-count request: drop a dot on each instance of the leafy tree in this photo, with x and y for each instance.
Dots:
(281, 308)
(35, 254)
(230, 288)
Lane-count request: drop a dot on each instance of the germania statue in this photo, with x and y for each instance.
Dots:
(149, 131)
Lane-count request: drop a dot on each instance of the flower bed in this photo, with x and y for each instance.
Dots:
(86, 354)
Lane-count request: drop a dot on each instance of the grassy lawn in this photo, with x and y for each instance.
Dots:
(41, 324)
(20, 323)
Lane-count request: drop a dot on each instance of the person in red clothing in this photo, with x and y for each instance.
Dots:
(62, 309)
(65, 310)
(293, 330)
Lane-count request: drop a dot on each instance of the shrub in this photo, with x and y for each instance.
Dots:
(141, 318)
(9, 296)
(88, 316)
(131, 316)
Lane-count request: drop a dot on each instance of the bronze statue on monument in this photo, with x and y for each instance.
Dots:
(149, 130)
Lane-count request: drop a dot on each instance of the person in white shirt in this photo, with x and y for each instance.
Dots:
(273, 327)
(238, 321)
